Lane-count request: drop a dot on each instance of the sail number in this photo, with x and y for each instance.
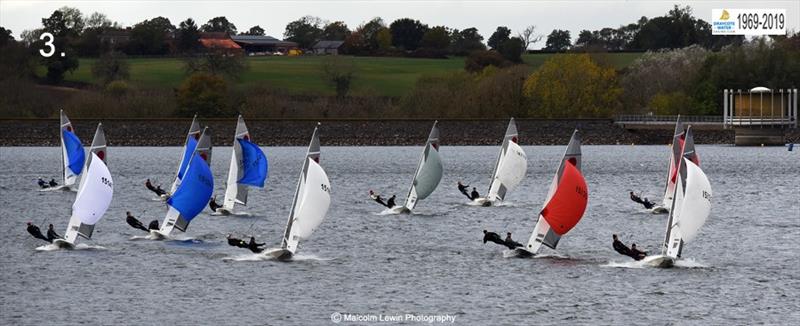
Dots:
(326, 188)
(706, 195)
(106, 182)
(581, 191)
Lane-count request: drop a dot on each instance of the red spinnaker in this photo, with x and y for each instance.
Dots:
(568, 203)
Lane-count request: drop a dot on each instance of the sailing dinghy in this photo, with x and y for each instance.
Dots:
(192, 137)
(426, 177)
(691, 206)
(193, 193)
(73, 156)
(312, 198)
(680, 139)
(509, 170)
(565, 204)
(91, 202)
(248, 168)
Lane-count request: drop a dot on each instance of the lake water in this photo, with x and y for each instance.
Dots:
(742, 269)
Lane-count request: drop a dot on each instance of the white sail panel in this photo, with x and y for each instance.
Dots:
(313, 204)
(93, 199)
(696, 202)
(510, 172)
(234, 192)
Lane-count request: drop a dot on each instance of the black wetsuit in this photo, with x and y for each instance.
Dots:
(378, 200)
(621, 248)
(636, 199)
(390, 203)
(160, 191)
(511, 244)
(153, 225)
(637, 254)
(136, 224)
(53, 183)
(36, 233)
(42, 184)
(648, 204)
(52, 235)
(212, 204)
(463, 190)
(254, 247)
(493, 237)
(237, 243)
(474, 195)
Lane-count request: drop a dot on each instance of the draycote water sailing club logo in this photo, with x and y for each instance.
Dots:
(748, 21)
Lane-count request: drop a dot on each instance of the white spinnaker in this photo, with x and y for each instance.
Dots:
(312, 204)
(429, 174)
(691, 209)
(510, 171)
(92, 201)
(234, 192)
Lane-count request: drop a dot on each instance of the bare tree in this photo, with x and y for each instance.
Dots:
(529, 36)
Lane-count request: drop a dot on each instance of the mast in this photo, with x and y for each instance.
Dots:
(312, 153)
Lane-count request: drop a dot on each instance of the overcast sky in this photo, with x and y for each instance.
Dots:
(273, 16)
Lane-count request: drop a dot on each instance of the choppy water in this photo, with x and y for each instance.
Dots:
(745, 261)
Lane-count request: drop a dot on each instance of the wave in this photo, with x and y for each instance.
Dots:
(80, 246)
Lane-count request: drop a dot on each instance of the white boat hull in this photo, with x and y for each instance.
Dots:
(485, 202)
(660, 261)
(659, 210)
(521, 252)
(157, 235)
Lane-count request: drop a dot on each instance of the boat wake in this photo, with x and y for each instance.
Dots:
(265, 256)
(687, 263)
(57, 188)
(159, 237)
(80, 246)
(512, 253)
(234, 214)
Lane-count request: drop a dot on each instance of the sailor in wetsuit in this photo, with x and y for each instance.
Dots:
(636, 253)
(377, 198)
(53, 183)
(474, 195)
(212, 204)
(254, 247)
(236, 242)
(51, 234)
(493, 237)
(36, 233)
(622, 249)
(153, 225)
(646, 203)
(463, 189)
(135, 223)
(510, 243)
(390, 203)
(42, 184)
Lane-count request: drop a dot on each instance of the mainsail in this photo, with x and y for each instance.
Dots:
(312, 198)
(248, 168)
(682, 141)
(98, 148)
(429, 171)
(566, 200)
(692, 201)
(511, 165)
(72, 154)
(188, 148)
(194, 191)
(92, 201)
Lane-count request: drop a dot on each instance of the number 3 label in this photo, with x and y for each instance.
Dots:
(48, 43)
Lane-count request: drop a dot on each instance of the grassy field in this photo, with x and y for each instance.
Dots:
(375, 75)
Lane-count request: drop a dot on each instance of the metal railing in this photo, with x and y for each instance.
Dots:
(667, 119)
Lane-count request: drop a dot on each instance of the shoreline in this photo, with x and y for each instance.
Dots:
(356, 132)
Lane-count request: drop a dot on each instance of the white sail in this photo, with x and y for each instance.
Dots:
(310, 203)
(511, 166)
(543, 234)
(194, 132)
(690, 210)
(236, 193)
(313, 204)
(69, 177)
(98, 148)
(429, 171)
(94, 197)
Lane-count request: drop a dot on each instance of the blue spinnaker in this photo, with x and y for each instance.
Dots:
(254, 164)
(75, 155)
(187, 153)
(195, 189)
